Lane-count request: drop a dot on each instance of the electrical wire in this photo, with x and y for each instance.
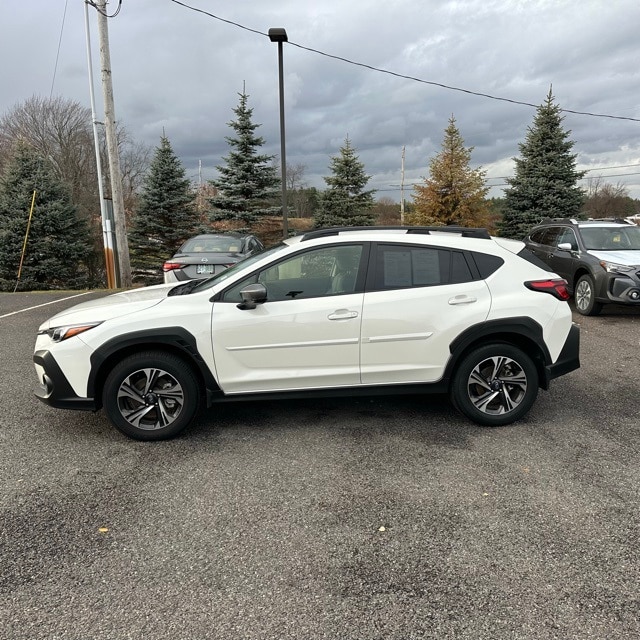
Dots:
(104, 13)
(55, 67)
(401, 75)
(506, 184)
(618, 166)
(40, 159)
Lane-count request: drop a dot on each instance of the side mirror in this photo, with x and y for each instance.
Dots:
(565, 246)
(252, 295)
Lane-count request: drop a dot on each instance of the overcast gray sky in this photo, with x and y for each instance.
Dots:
(179, 70)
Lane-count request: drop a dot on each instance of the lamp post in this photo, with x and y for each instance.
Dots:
(279, 35)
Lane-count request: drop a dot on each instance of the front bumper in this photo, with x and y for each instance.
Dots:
(54, 388)
(619, 288)
(569, 358)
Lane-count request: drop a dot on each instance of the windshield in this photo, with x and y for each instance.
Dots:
(200, 285)
(611, 238)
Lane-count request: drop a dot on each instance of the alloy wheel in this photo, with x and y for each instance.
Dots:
(497, 385)
(583, 295)
(150, 398)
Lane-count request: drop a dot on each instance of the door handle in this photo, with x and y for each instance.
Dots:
(462, 299)
(343, 314)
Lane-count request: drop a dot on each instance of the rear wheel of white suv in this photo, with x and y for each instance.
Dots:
(151, 395)
(495, 384)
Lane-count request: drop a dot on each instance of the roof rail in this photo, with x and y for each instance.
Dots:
(617, 220)
(565, 220)
(465, 232)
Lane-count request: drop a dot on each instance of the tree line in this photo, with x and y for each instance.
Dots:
(48, 186)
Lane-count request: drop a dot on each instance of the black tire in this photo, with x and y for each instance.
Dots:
(151, 395)
(585, 297)
(495, 384)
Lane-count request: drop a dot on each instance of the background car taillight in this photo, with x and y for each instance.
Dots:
(556, 287)
(170, 266)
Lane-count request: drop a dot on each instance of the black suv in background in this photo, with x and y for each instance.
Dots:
(600, 259)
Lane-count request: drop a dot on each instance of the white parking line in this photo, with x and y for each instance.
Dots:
(44, 304)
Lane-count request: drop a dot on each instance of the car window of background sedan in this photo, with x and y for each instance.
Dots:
(216, 245)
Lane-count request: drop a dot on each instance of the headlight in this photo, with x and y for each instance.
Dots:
(612, 267)
(58, 334)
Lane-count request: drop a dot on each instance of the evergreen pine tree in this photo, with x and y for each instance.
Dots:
(248, 183)
(59, 242)
(453, 193)
(165, 216)
(345, 203)
(545, 180)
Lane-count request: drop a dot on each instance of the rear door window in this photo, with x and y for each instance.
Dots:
(550, 236)
(404, 266)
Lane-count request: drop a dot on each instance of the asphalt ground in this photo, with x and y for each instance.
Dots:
(385, 518)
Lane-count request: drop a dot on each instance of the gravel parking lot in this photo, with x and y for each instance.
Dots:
(386, 518)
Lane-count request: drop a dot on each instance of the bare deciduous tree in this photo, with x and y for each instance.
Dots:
(295, 176)
(606, 200)
(61, 131)
(387, 212)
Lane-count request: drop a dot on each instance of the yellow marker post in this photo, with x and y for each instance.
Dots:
(26, 237)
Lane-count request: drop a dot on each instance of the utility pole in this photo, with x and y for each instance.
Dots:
(122, 247)
(402, 191)
(107, 231)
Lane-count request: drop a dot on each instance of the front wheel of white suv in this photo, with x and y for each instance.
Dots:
(151, 395)
(495, 384)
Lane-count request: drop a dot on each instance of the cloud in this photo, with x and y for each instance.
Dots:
(180, 71)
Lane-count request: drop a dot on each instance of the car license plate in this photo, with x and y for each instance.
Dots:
(204, 268)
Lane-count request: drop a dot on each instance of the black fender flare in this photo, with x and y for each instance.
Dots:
(175, 339)
(521, 331)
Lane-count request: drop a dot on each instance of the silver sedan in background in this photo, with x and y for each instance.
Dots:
(209, 253)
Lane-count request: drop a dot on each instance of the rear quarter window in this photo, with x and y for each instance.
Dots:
(486, 263)
(537, 235)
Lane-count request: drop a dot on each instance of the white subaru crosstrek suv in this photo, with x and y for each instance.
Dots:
(332, 312)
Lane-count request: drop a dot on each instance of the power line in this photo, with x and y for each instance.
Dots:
(618, 166)
(104, 13)
(55, 67)
(403, 76)
(505, 184)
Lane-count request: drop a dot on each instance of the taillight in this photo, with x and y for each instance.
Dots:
(170, 266)
(556, 287)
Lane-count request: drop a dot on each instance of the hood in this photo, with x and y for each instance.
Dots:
(112, 306)
(630, 257)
